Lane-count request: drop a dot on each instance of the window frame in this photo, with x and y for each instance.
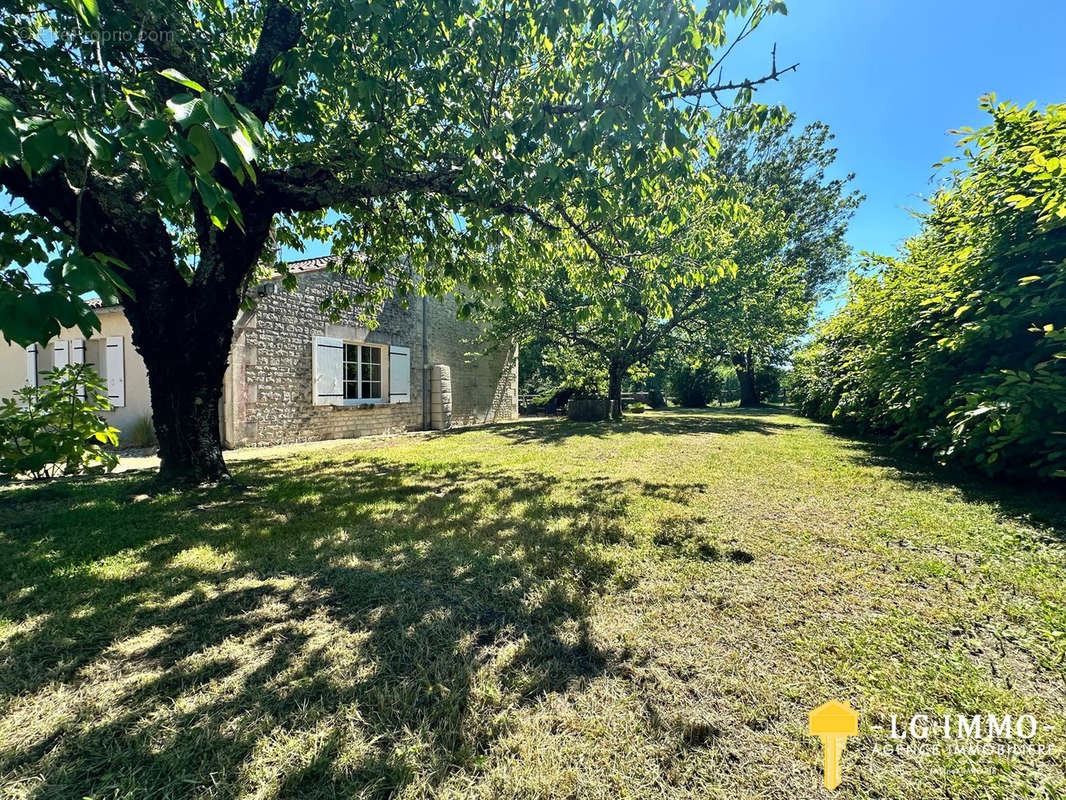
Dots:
(359, 400)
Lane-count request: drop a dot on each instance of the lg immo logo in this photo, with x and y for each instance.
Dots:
(963, 734)
(833, 723)
(975, 734)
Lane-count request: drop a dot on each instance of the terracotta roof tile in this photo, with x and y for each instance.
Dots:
(297, 267)
(311, 264)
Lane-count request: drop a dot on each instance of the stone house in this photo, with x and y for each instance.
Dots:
(296, 376)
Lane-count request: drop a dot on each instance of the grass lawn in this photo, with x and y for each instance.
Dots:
(538, 609)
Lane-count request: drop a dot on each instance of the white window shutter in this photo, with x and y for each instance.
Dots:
(31, 365)
(60, 353)
(77, 356)
(399, 374)
(327, 366)
(115, 366)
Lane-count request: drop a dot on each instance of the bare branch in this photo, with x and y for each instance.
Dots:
(696, 91)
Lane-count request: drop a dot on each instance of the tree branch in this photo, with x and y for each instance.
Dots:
(582, 233)
(112, 222)
(259, 87)
(312, 187)
(696, 91)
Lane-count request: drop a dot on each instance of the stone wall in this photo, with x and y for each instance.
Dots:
(269, 385)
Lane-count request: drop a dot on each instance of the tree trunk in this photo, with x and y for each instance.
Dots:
(183, 332)
(614, 389)
(745, 366)
(185, 350)
(185, 401)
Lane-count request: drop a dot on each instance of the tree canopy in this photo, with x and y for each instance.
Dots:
(729, 266)
(421, 123)
(154, 148)
(605, 308)
(790, 249)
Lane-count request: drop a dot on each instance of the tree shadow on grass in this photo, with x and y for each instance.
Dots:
(1040, 504)
(342, 628)
(675, 421)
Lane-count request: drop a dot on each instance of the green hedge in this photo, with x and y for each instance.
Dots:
(695, 386)
(958, 347)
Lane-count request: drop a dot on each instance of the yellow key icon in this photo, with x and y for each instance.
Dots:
(833, 723)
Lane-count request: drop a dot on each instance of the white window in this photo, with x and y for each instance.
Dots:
(106, 356)
(353, 373)
(362, 371)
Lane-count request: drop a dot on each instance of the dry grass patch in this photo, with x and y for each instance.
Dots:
(540, 609)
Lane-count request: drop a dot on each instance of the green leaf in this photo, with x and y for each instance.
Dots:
(206, 155)
(177, 77)
(88, 12)
(41, 146)
(218, 111)
(253, 126)
(98, 144)
(179, 185)
(155, 130)
(188, 111)
(243, 144)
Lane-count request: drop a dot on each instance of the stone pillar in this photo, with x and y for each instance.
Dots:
(440, 405)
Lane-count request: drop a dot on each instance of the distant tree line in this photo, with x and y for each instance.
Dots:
(729, 274)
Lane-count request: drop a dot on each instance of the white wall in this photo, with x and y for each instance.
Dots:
(113, 323)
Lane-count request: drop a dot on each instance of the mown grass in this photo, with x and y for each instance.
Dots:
(540, 609)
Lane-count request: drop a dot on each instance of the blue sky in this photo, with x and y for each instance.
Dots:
(891, 77)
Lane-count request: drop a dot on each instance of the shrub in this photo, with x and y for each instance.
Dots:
(958, 347)
(141, 433)
(52, 430)
(656, 399)
(588, 407)
(768, 383)
(696, 386)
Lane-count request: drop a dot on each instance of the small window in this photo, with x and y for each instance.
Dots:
(362, 372)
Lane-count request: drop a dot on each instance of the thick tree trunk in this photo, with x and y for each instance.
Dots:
(614, 389)
(185, 403)
(185, 351)
(745, 366)
(184, 332)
